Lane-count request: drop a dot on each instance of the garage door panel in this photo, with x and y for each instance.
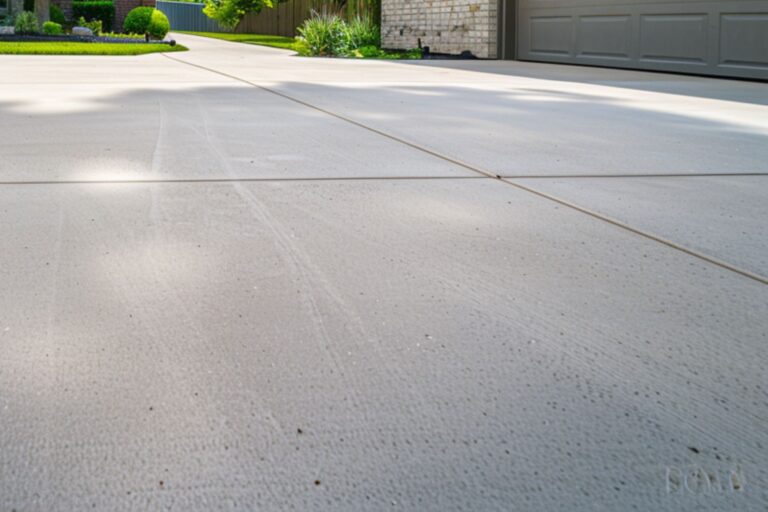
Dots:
(744, 40)
(552, 35)
(604, 37)
(674, 38)
(725, 37)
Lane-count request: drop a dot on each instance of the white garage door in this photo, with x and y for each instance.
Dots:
(724, 37)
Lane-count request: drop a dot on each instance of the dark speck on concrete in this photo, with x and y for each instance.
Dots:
(694, 449)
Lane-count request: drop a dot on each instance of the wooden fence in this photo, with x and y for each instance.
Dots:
(280, 21)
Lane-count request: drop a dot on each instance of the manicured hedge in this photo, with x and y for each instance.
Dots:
(103, 10)
(137, 21)
(57, 15)
(51, 28)
(146, 20)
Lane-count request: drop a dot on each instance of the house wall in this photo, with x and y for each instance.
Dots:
(66, 6)
(446, 26)
(16, 6)
(123, 7)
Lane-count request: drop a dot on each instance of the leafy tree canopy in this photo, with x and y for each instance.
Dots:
(229, 12)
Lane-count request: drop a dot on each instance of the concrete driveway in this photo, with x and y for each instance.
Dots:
(234, 279)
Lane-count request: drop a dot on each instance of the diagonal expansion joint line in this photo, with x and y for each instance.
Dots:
(650, 236)
(340, 117)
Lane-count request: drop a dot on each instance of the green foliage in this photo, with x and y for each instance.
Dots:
(68, 48)
(8, 21)
(299, 45)
(146, 20)
(374, 52)
(368, 52)
(366, 9)
(56, 15)
(102, 10)
(137, 21)
(328, 34)
(324, 34)
(26, 23)
(51, 28)
(363, 32)
(94, 25)
(158, 25)
(229, 13)
(116, 35)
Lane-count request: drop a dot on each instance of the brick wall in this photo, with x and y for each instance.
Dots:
(66, 6)
(446, 26)
(16, 6)
(123, 7)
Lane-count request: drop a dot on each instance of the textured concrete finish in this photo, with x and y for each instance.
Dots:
(721, 216)
(191, 130)
(495, 113)
(408, 336)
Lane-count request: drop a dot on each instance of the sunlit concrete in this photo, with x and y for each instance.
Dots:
(722, 216)
(515, 118)
(370, 344)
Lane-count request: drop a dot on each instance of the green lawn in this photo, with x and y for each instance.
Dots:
(286, 43)
(67, 48)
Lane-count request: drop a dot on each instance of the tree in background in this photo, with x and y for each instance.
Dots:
(229, 13)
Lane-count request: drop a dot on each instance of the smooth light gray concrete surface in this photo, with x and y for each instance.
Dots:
(441, 345)
(515, 118)
(190, 130)
(437, 343)
(723, 216)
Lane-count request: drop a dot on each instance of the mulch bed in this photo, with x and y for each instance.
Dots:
(74, 39)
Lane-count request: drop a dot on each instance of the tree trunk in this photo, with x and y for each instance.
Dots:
(42, 11)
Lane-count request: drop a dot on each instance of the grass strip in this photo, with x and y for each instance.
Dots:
(68, 48)
(285, 43)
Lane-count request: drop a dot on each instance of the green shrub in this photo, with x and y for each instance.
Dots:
(94, 25)
(368, 52)
(137, 21)
(229, 13)
(158, 25)
(102, 10)
(8, 21)
(26, 23)
(51, 28)
(56, 15)
(363, 32)
(329, 34)
(146, 20)
(324, 34)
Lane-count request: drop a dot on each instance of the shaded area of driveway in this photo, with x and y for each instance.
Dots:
(216, 298)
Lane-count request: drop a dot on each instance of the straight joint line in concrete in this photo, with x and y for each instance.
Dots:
(236, 180)
(650, 236)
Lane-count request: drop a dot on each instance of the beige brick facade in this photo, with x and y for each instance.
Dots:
(446, 26)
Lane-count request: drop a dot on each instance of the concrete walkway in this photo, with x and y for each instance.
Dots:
(235, 279)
